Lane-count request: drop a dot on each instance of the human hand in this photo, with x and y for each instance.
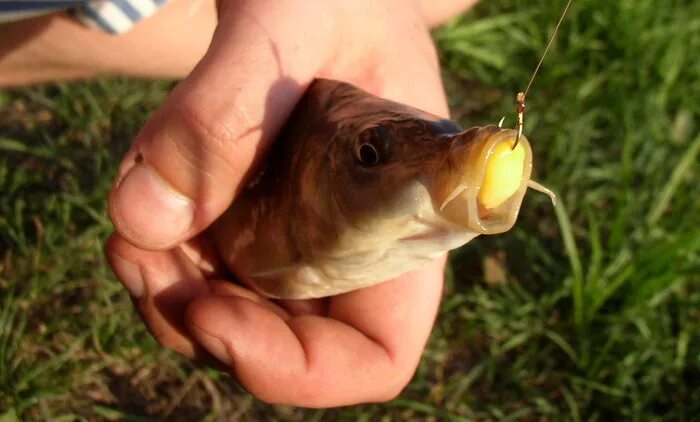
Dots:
(193, 156)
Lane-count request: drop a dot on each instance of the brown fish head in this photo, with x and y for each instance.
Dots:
(413, 174)
(382, 170)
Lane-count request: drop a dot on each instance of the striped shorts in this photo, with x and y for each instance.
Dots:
(113, 16)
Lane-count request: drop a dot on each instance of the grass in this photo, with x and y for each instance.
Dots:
(587, 311)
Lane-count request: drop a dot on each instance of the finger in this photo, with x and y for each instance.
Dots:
(204, 256)
(227, 288)
(187, 163)
(162, 284)
(365, 351)
(306, 306)
(285, 309)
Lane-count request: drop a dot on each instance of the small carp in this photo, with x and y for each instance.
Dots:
(359, 189)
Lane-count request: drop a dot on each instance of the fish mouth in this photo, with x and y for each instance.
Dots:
(484, 180)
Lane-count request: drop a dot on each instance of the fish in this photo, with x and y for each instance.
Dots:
(358, 189)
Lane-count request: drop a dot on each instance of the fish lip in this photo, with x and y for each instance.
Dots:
(457, 196)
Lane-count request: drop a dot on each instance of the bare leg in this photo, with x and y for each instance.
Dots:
(167, 44)
(54, 47)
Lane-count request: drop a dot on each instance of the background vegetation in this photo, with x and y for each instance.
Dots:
(587, 311)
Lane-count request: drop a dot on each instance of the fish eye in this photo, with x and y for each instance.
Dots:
(367, 154)
(372, 146)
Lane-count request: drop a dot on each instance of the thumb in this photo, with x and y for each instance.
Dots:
(188, 162)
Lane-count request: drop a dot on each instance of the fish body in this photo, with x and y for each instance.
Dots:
(358, 190)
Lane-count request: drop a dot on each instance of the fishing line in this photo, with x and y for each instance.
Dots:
(520, 98)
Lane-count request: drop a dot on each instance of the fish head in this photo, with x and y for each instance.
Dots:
(405, 170)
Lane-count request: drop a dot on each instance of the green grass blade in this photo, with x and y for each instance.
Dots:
(679, 173)
(574, 263)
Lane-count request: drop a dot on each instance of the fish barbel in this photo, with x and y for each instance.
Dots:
(359, 189)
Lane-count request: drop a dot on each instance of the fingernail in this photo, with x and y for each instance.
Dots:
(212, 344)
(148, 210)
(128, 273)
